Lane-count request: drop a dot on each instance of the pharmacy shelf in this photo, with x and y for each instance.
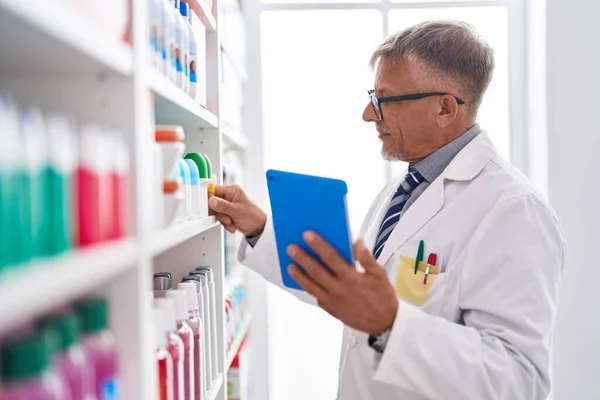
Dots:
(42, 37)
(176, 234)
(217, 383)
(33, 289)
(205, 14)
(173, 105)
(237, 343)
(234, 137)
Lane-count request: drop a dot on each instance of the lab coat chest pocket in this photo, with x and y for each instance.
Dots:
(425, 288)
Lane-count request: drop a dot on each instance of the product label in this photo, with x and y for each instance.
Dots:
(193, 63)
(178, 55)
(108, 390)
(233, 384)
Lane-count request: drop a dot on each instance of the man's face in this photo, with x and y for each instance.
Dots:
(408, 128)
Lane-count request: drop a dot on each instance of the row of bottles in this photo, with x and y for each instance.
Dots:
(185, 182)
(67, 355)
(194, 304)
(60, 185)
(177, 46)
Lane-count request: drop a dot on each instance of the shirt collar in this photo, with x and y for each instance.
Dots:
(434, 164)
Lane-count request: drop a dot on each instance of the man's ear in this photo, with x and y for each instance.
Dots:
(447, 111)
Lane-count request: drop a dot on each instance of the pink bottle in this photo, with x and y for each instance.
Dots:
(174, 345)
(70, 359)
(166, 384)
(117, 177)
(89, 186)
(187, 336)
(26, 372)
(99, 347)
(196, 324)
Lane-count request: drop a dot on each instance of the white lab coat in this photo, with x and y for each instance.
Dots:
(485, 330)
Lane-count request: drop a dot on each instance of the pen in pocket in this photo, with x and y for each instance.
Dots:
(430, 261)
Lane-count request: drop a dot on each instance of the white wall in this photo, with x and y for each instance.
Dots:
(574, 177)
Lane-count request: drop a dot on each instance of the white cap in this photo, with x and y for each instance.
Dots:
(159, 327)
(192, 296)
(168, 306)
(179, 296)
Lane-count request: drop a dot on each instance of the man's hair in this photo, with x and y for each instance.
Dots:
(452, 47)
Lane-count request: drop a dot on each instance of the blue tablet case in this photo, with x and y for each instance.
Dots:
(305, 202)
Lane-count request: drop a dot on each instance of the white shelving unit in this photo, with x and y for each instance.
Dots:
(55, 59)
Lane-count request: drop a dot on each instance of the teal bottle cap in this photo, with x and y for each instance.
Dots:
(184, 170)
(194, 173)
(24, 357)
(93, 315)
(65, 326)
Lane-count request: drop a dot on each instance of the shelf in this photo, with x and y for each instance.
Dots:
(42, 37)
(217, 383)
(35, 288)
(237, 343)
(204, 13)
(173, 105)
(179, 233)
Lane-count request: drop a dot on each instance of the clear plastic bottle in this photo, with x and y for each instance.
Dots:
(206, 312)
(192, 51)
(99, 347)
(212, 300)
(26, 371)
(186, 333)
(180, 43)
(163, 358)
(70, 358)
(168, 53)
(198, 329)
(174, 345)
(185, 45)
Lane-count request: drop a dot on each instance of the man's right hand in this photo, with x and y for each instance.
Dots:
(236, 211)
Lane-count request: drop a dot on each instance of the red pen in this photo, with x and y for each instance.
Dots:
(430, 261)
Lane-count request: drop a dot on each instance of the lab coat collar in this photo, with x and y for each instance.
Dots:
(467, 164)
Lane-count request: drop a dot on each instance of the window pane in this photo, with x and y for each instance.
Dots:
(315, 79)
(492, 24)
(319, 1)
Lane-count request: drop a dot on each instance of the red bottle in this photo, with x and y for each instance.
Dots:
(89, 186)
(118, 179)
(175, 345)
(185, 332)
(163, 358)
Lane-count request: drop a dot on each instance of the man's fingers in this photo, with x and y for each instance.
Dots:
(328, 254)
(223, 206)
(307, 283)
(365, 257)
(224, 219)
(313, 268)
(226, 192)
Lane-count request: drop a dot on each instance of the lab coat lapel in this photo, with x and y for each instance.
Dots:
(465, 166)
(427, 205)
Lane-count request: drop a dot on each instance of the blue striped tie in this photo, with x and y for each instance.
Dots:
(411, 180)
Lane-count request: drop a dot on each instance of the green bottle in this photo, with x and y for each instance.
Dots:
(10, 158)
(208, 165)
(62, 163)
(34, 186)
(200, 163)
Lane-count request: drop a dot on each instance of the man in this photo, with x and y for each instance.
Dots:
(474, 320)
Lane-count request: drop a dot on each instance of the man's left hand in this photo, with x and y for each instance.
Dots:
(365, 301)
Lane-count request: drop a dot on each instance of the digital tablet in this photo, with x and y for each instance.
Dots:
(305, 202)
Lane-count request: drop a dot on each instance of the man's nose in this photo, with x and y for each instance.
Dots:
(369, 114)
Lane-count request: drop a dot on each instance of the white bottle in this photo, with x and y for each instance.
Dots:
(168, 28)
(154, 51)
(185, 45)
(193, 53)
(179, 44)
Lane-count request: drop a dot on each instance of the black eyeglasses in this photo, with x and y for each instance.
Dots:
(376, 101)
